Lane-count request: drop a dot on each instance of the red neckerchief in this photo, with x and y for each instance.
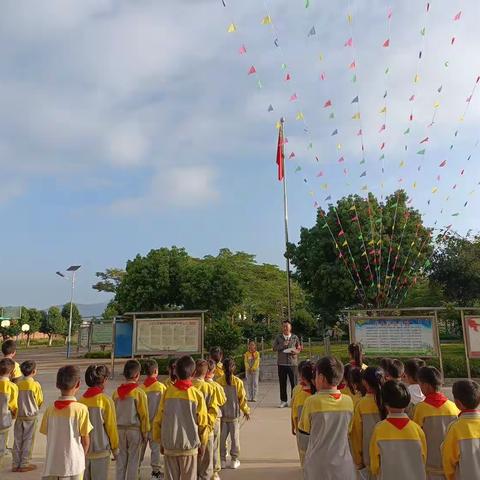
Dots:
(125, 388)
(93, 392)
(436, 399)
(336, 396)
(183, 384)
(397, 422)
(61, 404)
(341, 386)
(468, 411)
(150, 381)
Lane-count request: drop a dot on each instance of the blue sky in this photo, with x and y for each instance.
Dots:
(131, 125)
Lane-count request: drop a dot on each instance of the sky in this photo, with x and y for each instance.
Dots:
(132, 125)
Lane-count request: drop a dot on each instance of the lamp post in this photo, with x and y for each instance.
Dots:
(73, 269)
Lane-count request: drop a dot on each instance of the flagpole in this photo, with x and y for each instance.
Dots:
(285, 215)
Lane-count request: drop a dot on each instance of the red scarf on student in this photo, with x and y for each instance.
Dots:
(468, 411)
(93, 392)
(61, 404)
(399, 423)
(436, 399)
(183, 384)
(341, 386)
(125, 388)
(150, 381)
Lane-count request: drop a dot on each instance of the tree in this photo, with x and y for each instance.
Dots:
(361, 252)
(76, 317)
(224, 334)
(110, 279)
(304, 324)
(53, 324)
(456, 267)
(424, 293)
(35, 319)
(111, 310)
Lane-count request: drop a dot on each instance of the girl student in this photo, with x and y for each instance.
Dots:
(368, 412)
(352, 384)
(104, 437)
(231, 411)
(305, 390)
(251, 360)
(356, 356)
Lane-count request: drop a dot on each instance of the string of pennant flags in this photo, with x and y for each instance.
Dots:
(392, 282)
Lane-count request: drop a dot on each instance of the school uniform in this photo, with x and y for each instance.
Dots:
(181, 427)
(133, 422)
(104, 437)
(220, 400)
(416, 397)
(64, 423)
(297, 407)
(30, 399)
(398, 449)
(8, 411)
(434, 415)
(231, 410)
(252, 373)
(461, 447)
(326, 418)
(154, 391)
(345, 389)
(365, 418)
(168, 382)
(17, 373)
(219, 371)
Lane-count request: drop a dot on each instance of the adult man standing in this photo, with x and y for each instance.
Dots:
(287, 346)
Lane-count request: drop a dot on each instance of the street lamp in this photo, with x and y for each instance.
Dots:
(73, 269)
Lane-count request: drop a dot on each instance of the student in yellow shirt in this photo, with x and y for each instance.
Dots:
(30, 399)
(307, 388)
(8, 402)
(67, 426)
(172, 377)
(394, 370)
(434, 415)
(104, 437)
(251, 360)
(352, 383)
(131, 406)
(326, 418)
(216, 354)
(356, 356)
(236, 404)
(154, 390)
(181, 424)
(398, 448)
(368, 412)
(9, 350)
(461, 448)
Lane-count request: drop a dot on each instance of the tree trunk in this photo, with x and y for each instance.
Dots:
(28, 339)
(50, 340)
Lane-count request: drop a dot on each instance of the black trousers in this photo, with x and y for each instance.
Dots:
(284, 372)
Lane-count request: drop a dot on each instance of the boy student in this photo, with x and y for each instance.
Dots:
(181, 424)
(251, 359)
(67, 426)
(8, 402)
(326, 418)
(30, 399)
(133, 422)
(410, 378)
(394, 370)
(221, 399)
(398, 448)
(154, 390)
(172, 378)
(9, 350)
(461, 448)
(434, 415)
(216, 354)
(104, 438)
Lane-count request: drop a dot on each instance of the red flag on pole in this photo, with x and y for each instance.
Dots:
(280, 153)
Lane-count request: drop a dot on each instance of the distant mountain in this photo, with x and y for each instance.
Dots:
(91, 309)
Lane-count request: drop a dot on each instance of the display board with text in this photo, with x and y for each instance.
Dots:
(396, 336)
(166, 336)
(472, 334)
(102, 333)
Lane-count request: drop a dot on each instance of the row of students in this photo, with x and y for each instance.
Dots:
(364, 428)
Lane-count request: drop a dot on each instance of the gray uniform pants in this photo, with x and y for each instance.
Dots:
(72, 477)
(230, 429)
(3, 444)
(155, 457)
(24, 436)
(217, 466)
(205, 462)
(252, 384)
(96, 468)
(130, 448)
(180, 468)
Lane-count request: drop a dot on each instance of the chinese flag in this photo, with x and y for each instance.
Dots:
(280, 154)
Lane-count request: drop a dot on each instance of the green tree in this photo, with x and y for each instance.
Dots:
(304, 324)
(76, 317)
(224, 334)
(456, 267)
(111, 310)
(361, 252)
(53, 324)
(109, 281)
(424, 293)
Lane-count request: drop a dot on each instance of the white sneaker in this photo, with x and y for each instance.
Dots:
(224, 464)
(235, 464)
(216, 476)
(283, 405)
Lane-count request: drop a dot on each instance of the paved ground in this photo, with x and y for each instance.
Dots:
(268, 448)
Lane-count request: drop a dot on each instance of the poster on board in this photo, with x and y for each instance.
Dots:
(472, 333)
(102, 333)
(396, 336)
